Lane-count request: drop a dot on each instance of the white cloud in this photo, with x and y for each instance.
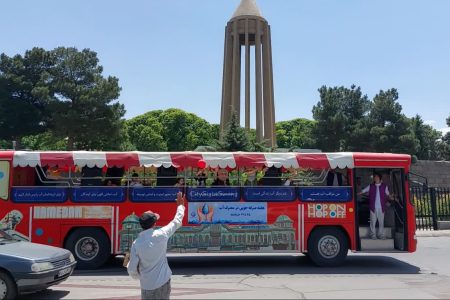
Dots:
(430, 122)
(445, 130)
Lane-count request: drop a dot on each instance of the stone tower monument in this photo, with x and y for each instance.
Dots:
(246, 31)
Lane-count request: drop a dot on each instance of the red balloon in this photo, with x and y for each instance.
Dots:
(201, 164)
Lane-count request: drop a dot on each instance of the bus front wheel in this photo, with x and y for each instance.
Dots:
(90, 246)
(327, 247)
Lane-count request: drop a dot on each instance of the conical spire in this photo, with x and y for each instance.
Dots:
(247, 8)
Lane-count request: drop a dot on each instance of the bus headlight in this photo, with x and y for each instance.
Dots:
(42, 266)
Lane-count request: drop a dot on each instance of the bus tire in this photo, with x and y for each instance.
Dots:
(8, 288)
(90, 246)
(327, 247)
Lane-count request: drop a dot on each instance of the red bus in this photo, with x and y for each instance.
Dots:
(310, 203)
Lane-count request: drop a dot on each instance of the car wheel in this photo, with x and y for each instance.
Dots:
(8, 288)
(327, 247)
(90, 246)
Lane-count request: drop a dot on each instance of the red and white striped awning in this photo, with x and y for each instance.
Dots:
(210, 159)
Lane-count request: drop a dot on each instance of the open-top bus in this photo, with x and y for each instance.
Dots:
(89, 202)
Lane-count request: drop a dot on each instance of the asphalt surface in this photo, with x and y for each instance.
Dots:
(424, 274)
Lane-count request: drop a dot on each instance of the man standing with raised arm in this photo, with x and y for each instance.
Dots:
(148, 260)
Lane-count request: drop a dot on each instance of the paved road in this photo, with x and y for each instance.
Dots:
(424, 274)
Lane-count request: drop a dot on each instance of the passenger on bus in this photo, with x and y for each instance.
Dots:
(109, 182)
(251, 176)
(334, 178)
(290, 179)
(91, 176)
(180, 182)
(272, 177)
(378, 196)
(135, 182)
(222, 178)
(201, 177)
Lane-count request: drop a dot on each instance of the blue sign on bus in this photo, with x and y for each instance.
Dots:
(213, 194)
(39, 195)
(325, 194)
(154, 194)
(281, 194)
(98, 194)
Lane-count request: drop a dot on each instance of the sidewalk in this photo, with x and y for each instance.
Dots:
(432, 233)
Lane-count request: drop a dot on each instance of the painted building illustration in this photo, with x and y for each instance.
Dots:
(218, 237)
(129, 232)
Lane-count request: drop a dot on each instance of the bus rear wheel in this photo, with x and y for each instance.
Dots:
(327, 247)
(90, 246)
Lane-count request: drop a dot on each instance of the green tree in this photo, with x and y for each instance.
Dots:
(337, 115)
(390, 130)
(184, 131)
(61, 92)
(297, 133)
(235, 138)
(24, 93)
(428, 138)
(146, 132)
(169, 130)
(44, 141)
(444, 145)
(84, 109)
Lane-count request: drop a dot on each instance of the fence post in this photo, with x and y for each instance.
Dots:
(434, 208)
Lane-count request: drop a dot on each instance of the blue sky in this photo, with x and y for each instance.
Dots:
(169, 53)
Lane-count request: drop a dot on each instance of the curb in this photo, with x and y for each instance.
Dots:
(433, 233)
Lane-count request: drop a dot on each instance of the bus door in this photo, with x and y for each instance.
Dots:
(398, 209)
(393, 236)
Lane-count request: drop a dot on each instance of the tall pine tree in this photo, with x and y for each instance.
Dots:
(235, 137)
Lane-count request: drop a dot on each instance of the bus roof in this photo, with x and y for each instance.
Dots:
(211, 159)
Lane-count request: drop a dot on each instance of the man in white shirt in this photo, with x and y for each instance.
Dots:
(148, 261)
(378, 194)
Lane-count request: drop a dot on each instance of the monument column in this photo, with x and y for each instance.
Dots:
(236, 77)
(247, 76)
(258, 92)
(248, 28)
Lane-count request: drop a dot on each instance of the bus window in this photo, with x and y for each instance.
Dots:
(113, 176)
(198, 177)
(272, 177)
(50, 176)
(4, 180)
(337, 177)
(91, 176)
(24, 176)
(166, 176)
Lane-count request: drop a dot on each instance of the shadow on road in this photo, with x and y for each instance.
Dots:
(267, 264)
(45, 294)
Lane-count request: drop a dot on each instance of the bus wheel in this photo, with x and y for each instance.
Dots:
(8, 288)
(327, 247)
(90, 246)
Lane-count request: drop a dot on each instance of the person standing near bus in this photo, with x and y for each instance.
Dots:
(148, 260)
(378, 195)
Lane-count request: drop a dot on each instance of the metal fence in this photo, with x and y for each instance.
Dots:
(432, 206)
